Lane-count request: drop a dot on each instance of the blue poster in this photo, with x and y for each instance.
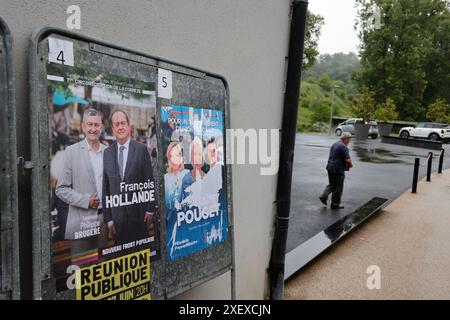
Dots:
(194, 180)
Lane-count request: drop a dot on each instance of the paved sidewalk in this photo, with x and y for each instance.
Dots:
(409, 240)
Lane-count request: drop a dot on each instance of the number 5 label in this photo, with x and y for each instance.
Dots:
(164, 84)
(60, 51)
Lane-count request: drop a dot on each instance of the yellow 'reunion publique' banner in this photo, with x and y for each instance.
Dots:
(122, 278)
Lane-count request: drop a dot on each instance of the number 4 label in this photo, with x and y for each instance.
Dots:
(164, 84)
(60, 51)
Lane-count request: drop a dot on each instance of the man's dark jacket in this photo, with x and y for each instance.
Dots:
(128, 220)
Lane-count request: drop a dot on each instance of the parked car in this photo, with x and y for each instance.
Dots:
(349, 126)
(427, 130)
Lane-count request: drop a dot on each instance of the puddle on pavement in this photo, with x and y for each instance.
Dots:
(378, 155)
(367, 153)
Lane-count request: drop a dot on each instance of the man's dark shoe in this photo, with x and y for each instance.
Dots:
(324, 201)
(337, 207)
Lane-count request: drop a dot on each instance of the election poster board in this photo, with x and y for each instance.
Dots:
(9, 226)
(195, 198)
(105, 222)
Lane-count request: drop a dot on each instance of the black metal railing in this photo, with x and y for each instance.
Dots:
(441, 161)
(429, 163)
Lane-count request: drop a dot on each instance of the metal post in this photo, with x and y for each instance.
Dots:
(415, 175)
(288, 132)
(332, 108)
(331, 113)
(430, 162)
(441, 161)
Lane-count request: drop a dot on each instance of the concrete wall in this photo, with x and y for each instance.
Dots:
(246, 41)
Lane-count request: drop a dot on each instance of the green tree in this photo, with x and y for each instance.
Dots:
(321, 112)
(364, 106)
(386, 111)
(439, 111)
(437, 66)
(325, 83)
(314, 23)
(405, 53)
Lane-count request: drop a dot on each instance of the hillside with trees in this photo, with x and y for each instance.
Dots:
(327, 84)
(403, 65)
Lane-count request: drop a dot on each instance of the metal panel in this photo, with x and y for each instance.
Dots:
(9, 258)
(312, 248)
(411, 142)
(191, 87)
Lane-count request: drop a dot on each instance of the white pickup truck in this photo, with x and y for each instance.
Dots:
(427, 130)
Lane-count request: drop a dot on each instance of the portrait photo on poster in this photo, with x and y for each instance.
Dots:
(103, 172)
(195, 199)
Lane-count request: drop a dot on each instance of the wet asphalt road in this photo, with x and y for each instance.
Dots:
(380, 170)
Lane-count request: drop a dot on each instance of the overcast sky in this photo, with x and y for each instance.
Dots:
(337, 33)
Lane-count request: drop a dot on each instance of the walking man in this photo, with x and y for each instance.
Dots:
(127, 162)
(338, 162)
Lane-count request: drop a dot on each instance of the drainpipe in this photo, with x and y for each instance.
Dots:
(288, 132)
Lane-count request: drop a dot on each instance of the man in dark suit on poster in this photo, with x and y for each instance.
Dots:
(127, 176)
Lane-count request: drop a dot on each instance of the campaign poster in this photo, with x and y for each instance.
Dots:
(194, 181)
(123, 278)
(104, 181)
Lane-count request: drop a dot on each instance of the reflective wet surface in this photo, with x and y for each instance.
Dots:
(380, 170)
(380, 155)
